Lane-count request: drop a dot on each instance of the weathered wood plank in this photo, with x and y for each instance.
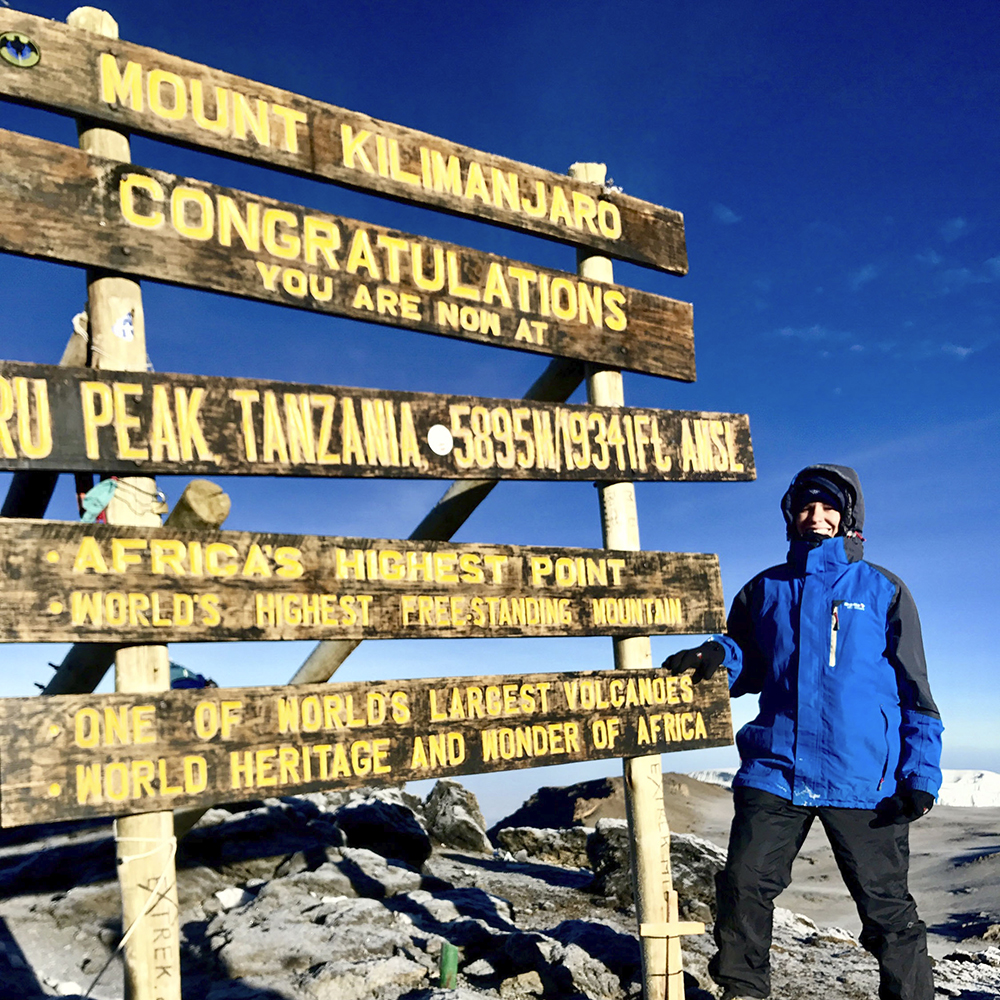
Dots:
(184, 102)
(136, 422)
(61, 204)
(75, 756)
(69, 582)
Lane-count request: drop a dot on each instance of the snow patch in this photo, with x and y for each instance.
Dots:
(718, 776)
(960, 788)
(970, 788)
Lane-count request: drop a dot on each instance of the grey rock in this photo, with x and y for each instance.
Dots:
(694, 863)
(363, 980)
(370, 874)
(552, 808)
(609, 856)
(232, 897)
(464, 904)
(553, 846)
(288, 931)
(390, 828)
(565, 970)
(304, 861)
(589, 976)
(479, 968)
(454, 820)
(526, 984)
(86, 907)
(616, 950)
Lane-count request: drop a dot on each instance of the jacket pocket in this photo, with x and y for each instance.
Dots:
(885, 765)
(834, 629)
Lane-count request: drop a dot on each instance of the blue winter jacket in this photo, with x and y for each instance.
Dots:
(832, 644)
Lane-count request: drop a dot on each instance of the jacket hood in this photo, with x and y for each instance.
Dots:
(853, 517)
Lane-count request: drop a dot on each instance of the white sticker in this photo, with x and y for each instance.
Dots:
(124, 328)
(440, 440)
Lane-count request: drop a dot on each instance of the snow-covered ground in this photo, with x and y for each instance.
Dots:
(960, 788)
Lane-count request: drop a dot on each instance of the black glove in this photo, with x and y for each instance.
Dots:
(706, 659)
(903, 807)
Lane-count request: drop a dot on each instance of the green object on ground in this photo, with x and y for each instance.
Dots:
(449, 966)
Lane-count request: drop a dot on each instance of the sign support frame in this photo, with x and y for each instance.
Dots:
(649, 831)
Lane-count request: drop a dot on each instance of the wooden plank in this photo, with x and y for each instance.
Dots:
(137, 422)
(61, 204)
(159, 95)
(75, 756)
(67, 582)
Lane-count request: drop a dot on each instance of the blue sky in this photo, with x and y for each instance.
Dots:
(836, 165)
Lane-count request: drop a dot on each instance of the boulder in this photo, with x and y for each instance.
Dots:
(454, 820)
(361, 981)
(567, 846)
(610, 860)
(618, 951)
(551, 808)
(694, 863)
(387, 827)
(371, 875)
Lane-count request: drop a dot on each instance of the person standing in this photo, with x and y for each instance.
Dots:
(847, 733)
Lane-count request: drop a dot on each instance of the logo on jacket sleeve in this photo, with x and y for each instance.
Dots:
(853, 605)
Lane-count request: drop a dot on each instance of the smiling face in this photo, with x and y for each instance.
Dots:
(818, 518)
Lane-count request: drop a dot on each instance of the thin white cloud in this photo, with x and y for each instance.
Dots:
(725, 215)
(815, 334)
(931, 258)
(858, 279)
(958, 351)
(953, 228)
(955, 279)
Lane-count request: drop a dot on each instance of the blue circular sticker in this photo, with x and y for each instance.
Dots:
(18, 50)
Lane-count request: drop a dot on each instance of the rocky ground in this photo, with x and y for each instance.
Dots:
(357, 897)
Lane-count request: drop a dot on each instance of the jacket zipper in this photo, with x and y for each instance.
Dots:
(834, 629)
(885, 766)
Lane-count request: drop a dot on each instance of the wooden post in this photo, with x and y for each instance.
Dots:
(146, 845)
(202, 505)
(648, 830)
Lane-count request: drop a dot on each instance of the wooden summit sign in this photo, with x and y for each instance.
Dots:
(76, 756)
(67, 582)
(77, 419)
(142, 90)
(60, 204)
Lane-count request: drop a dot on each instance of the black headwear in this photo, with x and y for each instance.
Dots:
(840, 481)
(819, 489)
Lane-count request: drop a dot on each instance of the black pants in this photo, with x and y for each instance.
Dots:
(766, 835)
